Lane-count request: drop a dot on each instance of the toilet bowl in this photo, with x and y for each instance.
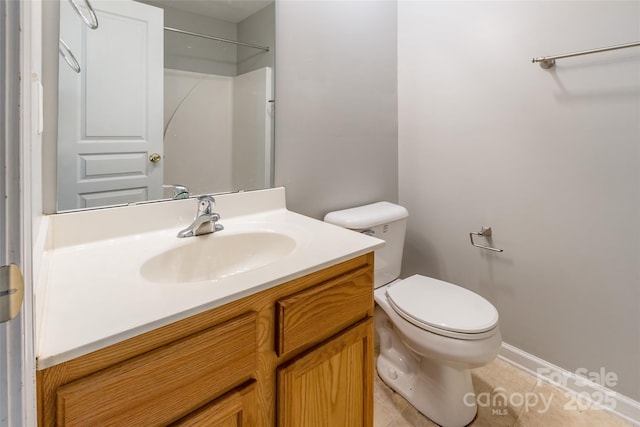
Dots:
(431, 333)
(430, 365)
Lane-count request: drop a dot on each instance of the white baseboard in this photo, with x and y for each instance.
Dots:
(616, 403)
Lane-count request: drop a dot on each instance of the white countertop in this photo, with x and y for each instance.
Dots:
(95, 294)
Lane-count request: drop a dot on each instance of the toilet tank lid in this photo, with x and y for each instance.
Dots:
(367, 216)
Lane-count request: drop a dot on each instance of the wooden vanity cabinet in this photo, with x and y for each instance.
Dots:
(330, 384)
(300, 353)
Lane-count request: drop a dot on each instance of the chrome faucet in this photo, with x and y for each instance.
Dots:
(206, 218)
(179, 191)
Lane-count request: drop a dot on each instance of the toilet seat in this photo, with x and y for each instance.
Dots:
(442, 308)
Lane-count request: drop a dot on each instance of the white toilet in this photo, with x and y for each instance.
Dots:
(431, 333)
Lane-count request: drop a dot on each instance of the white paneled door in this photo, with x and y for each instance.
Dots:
(17, 385)
(110, 112)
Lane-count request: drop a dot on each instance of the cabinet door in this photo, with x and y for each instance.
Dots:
(331, 385)
(234, 409)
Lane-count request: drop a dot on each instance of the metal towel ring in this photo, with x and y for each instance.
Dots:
(484, 232)
(68, 56)
(91, 23)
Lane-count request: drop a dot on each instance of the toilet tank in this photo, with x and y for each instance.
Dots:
(384, 220)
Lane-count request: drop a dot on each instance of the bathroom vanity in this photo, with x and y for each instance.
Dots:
(287, 343)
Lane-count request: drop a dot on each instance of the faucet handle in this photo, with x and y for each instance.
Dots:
(205, 205)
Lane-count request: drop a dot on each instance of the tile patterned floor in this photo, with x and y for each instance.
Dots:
(554, 408)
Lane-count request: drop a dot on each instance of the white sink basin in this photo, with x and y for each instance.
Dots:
(216, 256)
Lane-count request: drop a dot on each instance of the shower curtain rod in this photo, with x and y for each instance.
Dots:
(547, 62)
(220, 39)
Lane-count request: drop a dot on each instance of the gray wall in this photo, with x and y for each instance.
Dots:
(50, 57)
(260, 29)
(549, 159)
(336, 104)
(189, 53)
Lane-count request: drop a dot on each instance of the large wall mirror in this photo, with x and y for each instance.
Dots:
(163, 97)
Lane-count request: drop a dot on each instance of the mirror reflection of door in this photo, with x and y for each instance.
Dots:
(110, 135)
(213, 101)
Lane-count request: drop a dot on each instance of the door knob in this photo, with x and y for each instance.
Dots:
(11, 292)
(154, 158)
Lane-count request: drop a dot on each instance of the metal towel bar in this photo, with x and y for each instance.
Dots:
(484, 232)
(547, 62)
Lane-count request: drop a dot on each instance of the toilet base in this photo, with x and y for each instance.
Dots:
(439, 394)
(442, 393)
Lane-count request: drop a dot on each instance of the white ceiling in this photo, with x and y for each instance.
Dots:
(226, 10)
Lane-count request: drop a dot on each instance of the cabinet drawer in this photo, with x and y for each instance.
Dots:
(314, 314)
(165, 384)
